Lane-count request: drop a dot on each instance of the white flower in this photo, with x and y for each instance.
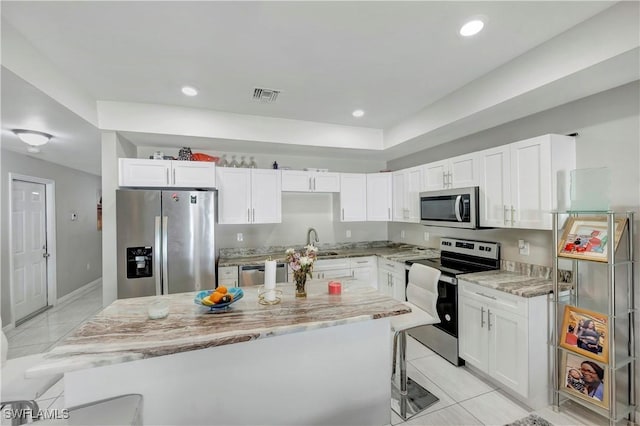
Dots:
(311, 248)
(304, 261)
(289, 251)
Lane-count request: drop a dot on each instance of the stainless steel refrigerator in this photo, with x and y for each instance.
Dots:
(166, 241)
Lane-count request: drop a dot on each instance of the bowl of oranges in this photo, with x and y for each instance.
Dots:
(219, 299)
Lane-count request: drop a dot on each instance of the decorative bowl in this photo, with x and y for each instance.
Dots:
(236, 292)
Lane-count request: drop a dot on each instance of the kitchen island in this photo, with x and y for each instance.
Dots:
(321, 360)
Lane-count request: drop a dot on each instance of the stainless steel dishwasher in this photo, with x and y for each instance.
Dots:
(254, 274)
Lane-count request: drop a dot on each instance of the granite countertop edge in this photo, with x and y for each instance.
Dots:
(515, 283)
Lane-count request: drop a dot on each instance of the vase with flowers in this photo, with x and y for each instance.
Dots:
(301, 263)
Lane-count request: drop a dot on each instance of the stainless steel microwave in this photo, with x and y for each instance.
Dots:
(453, 208)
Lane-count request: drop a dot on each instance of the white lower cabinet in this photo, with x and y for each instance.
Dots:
(228, 276)
(392, 279)
(505, 336)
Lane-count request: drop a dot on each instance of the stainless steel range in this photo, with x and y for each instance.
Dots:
(456, 257)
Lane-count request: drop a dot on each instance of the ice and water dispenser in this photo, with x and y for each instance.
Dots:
(139, 262)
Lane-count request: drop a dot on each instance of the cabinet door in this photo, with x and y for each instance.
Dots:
(398, 287)
(325, 182)
(400, 213)
(463, 171)
(296, 181)
(495, 187)
(367, 275)
(412, 194)
(193, 174)
(266, 196)
(473, 337)
(136, 172)
(234, 195)
(379, 197)
(384, 282)
(509, 351)
(531, 183)
(353, 197)
(435, 175)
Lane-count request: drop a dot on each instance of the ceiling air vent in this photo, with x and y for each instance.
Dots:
(265, 95)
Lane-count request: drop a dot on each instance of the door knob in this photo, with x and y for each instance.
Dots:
(45, 255)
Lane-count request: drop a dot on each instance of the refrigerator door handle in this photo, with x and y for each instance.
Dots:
(165, 249)
(156, 256)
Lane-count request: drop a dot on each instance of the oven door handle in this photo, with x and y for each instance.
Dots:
(457, 208)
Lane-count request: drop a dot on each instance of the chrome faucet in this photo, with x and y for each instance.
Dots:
(315, 238)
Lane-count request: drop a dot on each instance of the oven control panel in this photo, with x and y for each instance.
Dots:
(484, 249)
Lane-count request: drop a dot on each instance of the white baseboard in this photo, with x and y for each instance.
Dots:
(77, 292)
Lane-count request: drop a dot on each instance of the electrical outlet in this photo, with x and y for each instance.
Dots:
(523, 246)
(348, 233)
(239, 236)
(426, 236)
(402, 234)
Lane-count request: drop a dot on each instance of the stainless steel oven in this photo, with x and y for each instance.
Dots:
(456, 257)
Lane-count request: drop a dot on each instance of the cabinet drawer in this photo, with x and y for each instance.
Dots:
(391, 266)
(364, 262)
(326, 264)
(507, 302)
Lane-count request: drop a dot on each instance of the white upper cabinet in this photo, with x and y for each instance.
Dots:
(456, 172)
(407, 185)
(379, 197)
(353, 197)
(303, 181)
(249, 196)
(521, 183)
(143, 173)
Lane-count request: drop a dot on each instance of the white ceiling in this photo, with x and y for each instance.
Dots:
(391, 59)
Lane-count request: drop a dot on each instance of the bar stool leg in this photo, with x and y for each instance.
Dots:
(411, 398)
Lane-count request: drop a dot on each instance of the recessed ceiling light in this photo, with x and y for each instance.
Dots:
(358, 113)
(189, 91)
(471, 28)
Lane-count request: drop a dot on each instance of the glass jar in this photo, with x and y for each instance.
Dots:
(223, 161)
(252, 163)
(243, 163)
(234, 162)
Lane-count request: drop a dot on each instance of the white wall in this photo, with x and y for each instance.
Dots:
(78, 243)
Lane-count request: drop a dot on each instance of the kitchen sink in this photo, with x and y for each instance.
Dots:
(326, 253)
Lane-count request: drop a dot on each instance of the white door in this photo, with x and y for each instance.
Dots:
(379, 197)
(495, 187)
(399, 211)
(464, 171)
(193, 174)
(325, 182)
(415, 186)
(474, 335)
(266, 196)
(29, 246)
(234, 195)
(353, 197)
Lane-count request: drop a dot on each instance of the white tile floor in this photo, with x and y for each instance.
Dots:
(465, 399)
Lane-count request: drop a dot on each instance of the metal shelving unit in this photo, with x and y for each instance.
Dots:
(621, 364)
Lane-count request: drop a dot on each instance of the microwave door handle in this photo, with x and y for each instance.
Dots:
(457, 208)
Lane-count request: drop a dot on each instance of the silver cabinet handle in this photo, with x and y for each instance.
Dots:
(362, 261)
(489, 319)
(168, 177)
(174, 176)
(485, 295)
(343, 214)
(254, 215)
(248, 215)
(481, 316)
(314, 184)
(309, 183)
(389, 212)
(450, 179)
(512, 213)
(444, 180)
(506, 212)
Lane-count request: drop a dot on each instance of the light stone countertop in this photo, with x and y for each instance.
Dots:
(393, 252)
(513, 282)
(123, 332)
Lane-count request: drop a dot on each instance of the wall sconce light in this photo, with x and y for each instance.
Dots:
(32, 138)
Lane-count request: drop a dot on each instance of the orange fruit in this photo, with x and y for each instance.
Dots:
(221, 289)
(215, 297)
